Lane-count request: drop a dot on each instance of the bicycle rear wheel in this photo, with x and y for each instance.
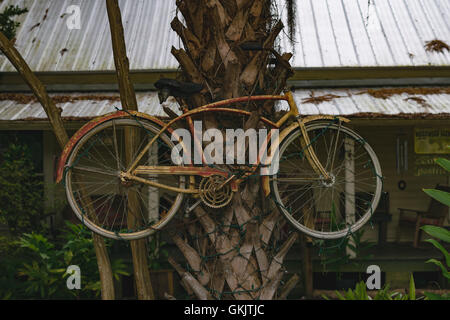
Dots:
(101, 200)
(334, 208)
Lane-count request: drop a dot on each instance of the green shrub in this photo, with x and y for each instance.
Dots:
(7, 25)
(39, 270)
(360, 293)
(439, 233)
(21, 191)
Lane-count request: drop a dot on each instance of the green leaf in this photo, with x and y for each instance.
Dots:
(351, 295)
(412, 288)
(444, 163)
(435, 296)
(68, 255)
(441, 196)
(443, 250)
(437, 232)
(57, 270)
(340, 296)
(440, 265)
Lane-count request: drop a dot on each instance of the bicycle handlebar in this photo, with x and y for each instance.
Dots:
(257, 46)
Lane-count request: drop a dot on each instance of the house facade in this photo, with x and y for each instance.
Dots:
(383, 64)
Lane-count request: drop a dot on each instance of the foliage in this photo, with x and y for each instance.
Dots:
(157, 254)
(436, 296)
(7, 25)
(21, 191)
(439, 233)
(11, 260)
(360, 293)
(441, 196)
(444, 235)
(42, 270)
(334, 252)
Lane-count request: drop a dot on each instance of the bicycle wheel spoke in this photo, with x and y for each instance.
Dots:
(117, 208)
(95, 170)
(322, 207)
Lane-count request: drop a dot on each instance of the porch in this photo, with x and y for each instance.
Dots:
(397, 261)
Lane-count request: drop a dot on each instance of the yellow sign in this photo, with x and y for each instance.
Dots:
(432, 140)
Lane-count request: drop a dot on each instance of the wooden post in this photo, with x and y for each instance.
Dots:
(307, 267)
(54, 115)
(153, 193)
(350, 204)
(127, 94)
(128, 99)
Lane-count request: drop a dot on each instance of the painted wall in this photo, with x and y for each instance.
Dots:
(383, 139)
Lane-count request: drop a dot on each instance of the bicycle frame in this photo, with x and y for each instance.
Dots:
(204, 171)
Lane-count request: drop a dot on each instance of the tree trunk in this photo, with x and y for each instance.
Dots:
(128, 99)
(229, 254)
(54, 116)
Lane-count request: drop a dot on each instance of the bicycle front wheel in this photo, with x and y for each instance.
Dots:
(327, 208)
(101, 200)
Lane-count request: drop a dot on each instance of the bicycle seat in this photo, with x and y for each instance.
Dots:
(178, 88)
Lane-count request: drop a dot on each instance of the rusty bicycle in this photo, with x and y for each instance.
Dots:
(122, 183)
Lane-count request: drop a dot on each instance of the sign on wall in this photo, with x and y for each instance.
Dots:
(432, 141)
(429, 144)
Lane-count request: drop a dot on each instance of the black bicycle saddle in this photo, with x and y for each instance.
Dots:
(178, 88)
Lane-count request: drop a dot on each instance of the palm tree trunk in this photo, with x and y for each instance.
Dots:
(244, 266)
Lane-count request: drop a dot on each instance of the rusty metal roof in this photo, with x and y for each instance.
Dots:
(369, 102)
(329, 33)
(77, 106)
(359, 33)
(47, 44)
(390, 102)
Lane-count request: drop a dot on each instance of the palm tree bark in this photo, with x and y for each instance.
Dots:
(245, 266)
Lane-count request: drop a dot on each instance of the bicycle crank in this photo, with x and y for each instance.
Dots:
(215, 192)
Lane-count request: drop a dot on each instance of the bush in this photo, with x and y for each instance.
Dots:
(39, 270)
(7, 25)
(439, 233)
(21, 191)
(360, 293)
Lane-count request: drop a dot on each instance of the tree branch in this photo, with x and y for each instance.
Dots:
(198, 289)
(193, 259)
(288, 287)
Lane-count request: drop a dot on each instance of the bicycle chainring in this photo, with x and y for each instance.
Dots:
(211, 193)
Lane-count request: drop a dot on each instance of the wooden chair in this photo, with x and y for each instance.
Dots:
(434, 215)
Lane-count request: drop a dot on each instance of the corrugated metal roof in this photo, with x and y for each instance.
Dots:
(80, 108)
(410, 101)
(330, 33)
(147, 32)
(356, 33)
(383, 101)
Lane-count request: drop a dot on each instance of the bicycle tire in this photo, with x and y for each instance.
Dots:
(317, 187)
(77, 184)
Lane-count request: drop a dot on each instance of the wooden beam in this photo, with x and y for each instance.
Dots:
(53, 113)
(128, 98)
(300, 74)
(127, 94)
(340, 73)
